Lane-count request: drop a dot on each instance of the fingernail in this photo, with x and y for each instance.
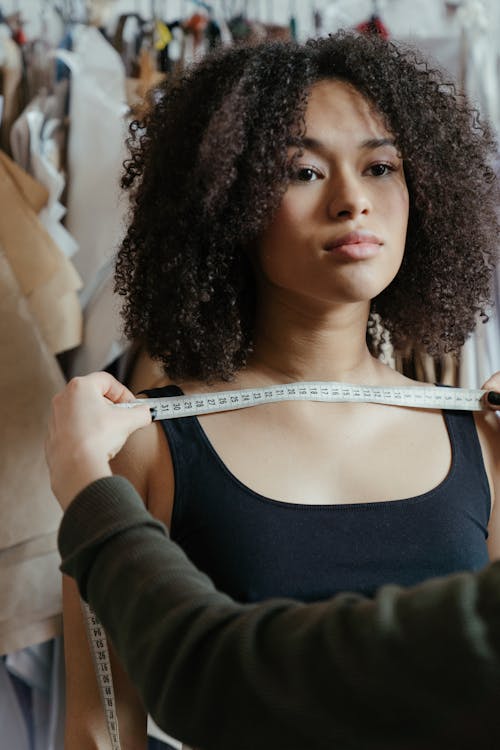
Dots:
(494, 398)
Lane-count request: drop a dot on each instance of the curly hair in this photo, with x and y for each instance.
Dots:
(208, 168)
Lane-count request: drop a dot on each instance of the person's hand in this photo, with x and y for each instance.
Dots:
(86, 430)
(492, 398)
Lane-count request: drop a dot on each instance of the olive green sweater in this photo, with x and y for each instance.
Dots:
(411, 669)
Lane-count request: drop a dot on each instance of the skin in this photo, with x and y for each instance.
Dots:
(86, 431)
(312, 312)
(350, 177)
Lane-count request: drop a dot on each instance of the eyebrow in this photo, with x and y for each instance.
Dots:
(312, 144)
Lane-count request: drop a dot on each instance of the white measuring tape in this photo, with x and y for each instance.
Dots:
(422, 397)
(172, 407)
(102, 665)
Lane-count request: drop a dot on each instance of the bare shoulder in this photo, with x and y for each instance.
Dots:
(136, 458)
(145, 460)
(388, 376)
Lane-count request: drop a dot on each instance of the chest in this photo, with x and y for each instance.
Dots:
(332, 453)
(307, 503)
(330, 507)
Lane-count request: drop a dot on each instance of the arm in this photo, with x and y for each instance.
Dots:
(136, 460)
(422, 663)
(85, 725)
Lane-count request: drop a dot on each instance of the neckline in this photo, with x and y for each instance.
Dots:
(314, 507)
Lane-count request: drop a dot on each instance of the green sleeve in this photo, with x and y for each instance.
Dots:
(413, 669)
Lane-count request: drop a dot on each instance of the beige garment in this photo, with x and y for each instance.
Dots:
(30, 599)
(46, 277)
(102, 341)
(97, 207)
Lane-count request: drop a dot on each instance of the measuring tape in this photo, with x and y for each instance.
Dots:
(173, 407)
(102, 666)
(421, 397)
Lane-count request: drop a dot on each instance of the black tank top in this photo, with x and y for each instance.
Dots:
(254, 547)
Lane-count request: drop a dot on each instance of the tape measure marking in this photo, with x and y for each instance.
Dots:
(422, 397)
(172, 407)
(102, 666)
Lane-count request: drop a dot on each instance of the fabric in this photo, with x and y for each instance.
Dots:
(96, 205)
(103, 340)
(30, 584)
(15, 728)
(480, 355)
(420, 665)
(253, 547)
(46, 277)
(96, 151)
(38, 675)
(11, 73)
(35, 142)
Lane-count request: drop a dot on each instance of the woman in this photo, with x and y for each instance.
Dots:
(323, 191)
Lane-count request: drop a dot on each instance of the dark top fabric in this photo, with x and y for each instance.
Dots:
(253, 547)
(409, 670)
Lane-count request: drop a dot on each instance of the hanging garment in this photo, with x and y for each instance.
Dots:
(96, 205)
(38, 675)
(46, 277)
(480, 357)
(30, 585)
(103, 341)
(15, 732)
(96, 151)
(374, 25)
(39, 316)
(36, 146)
(11, 73)
(480, 52)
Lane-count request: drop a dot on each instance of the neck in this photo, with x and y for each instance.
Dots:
(296, 341)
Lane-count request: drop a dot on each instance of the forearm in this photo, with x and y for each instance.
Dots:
(348, 673)
(85, 721)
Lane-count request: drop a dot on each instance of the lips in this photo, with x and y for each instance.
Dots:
(358, 245)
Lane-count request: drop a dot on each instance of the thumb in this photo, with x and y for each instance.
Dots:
(135, 417)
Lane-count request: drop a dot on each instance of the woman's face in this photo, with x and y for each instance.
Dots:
(339, 234)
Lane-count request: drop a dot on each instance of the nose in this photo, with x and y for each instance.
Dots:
(348, 197)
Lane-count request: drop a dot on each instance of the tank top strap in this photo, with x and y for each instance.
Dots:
(464, 435)
(166, 390)
(468, 459)
(187, 450)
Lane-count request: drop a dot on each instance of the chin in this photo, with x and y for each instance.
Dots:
(360, 287)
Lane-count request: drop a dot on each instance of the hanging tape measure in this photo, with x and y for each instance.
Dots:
(173, 407)
(102, 666)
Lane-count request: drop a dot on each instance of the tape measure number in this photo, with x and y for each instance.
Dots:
(102, 666)
(421, 397)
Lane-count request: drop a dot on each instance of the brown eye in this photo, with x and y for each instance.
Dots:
(306, 174)
(379, 170)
